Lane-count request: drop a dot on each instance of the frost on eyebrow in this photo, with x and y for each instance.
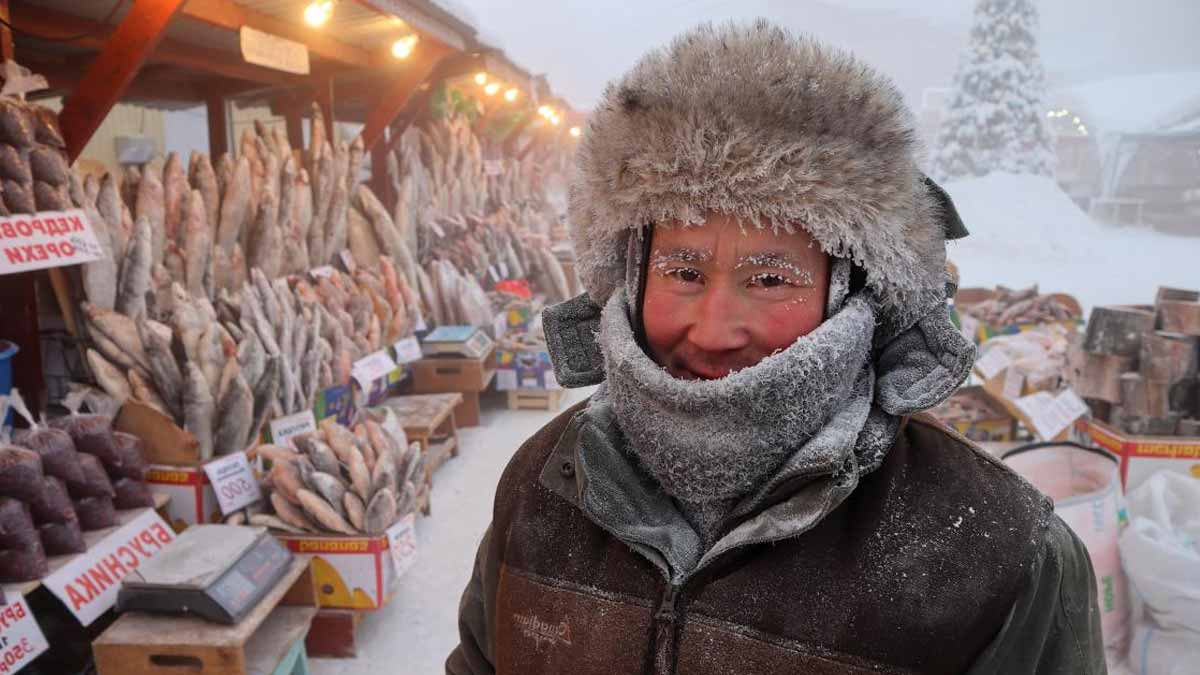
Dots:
(780, 261)
(660, 258)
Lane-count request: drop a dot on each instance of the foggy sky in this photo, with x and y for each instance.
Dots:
(582, 44)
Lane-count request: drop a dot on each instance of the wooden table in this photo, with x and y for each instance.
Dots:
(428, 419)
(149, 644)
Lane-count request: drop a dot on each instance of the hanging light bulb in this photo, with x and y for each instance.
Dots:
(492, 88)
(481, 78)
(512, 94)
(544, 111)
(576, 132)
(403, 48)
(555, 119)
(318, 12)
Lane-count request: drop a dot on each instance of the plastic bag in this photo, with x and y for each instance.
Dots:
(92, 433)
(20, 473)
(95, 480)
(1086, 488)
(55, 446)
(26, 564)
(53, 504)
(131, 452)
(62, 538)
(1161, 553)
(132, 494)
(96, 513)
(16, 524)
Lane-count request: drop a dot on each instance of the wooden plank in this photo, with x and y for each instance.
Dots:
(422, 414)
(105, 80)
(226, 14)
(218, 126)
(401, 90)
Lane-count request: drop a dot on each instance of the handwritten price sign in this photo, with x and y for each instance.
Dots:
(402, 543)
(21, 639)
(233, 481)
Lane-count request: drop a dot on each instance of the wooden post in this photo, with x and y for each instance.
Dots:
(295, 127)
(218, 127)
(323, 97)
(381, 182)
(106, 79)
(18, 298)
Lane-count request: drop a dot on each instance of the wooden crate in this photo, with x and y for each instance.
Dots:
(428, 419)
(535, 399)
(154, 644)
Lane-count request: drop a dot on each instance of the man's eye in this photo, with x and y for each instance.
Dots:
(769, 280)
(686, 275)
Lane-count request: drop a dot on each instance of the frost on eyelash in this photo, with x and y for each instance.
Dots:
(803, 277)
(659, 259)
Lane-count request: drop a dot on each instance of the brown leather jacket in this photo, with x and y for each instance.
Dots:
(940, 561)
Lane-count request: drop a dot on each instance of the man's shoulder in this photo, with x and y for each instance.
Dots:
(527, 463)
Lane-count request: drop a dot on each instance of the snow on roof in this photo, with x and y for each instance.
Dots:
(459, 10)
(1134, 104)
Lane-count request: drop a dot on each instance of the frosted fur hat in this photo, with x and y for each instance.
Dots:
(777, 130)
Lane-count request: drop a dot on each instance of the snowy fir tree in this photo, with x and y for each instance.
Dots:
(996, 119)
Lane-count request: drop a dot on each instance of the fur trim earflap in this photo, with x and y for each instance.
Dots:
(777, 130)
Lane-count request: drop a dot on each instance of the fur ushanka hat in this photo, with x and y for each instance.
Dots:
(768, 127)
(777, 130)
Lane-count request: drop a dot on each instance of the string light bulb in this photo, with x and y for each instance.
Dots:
(318, 12)
(576, 132)
(403, 48)
(492, 88)
(481, 78)
(512, 94)
(555, 119)
(545, 111)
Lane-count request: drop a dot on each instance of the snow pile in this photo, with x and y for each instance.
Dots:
(1025, 230)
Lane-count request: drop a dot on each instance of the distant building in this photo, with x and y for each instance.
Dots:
(1127, 149)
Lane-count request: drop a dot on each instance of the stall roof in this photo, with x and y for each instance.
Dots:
(1136, 104)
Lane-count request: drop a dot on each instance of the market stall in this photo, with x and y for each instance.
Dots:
(242, 322)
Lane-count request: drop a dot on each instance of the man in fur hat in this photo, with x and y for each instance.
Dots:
(752, 488)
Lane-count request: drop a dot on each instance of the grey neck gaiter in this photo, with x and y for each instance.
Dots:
(711, 444)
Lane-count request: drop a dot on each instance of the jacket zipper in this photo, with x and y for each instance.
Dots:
(664, 633)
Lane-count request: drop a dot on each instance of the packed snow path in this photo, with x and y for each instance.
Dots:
(418, 629)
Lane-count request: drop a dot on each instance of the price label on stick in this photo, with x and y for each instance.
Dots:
(233, 481)
(283, 428)
(408, 350)
(990, 364)
(402, 543)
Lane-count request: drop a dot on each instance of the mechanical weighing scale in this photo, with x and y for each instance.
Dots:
(216, 572)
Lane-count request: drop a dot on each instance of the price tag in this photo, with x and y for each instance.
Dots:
(992, 363)
(283, 428)
(1014, 383)
(506, 379)
(1072, 405)
(348, 261)
(1051, 415)
(322, 271)
(233, 481)
(402, 543)
(970, 326)
(494, 274)
(421, 323)
(47, 239)
(504, 269)
(21, 638)
(377, 366)
(500, 324)
(408, 350)
(493, 167)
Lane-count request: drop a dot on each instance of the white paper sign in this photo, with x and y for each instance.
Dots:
(47, 239)
(233, 481)
(88, 584)
(990, 364)
(402, 543)
(272, 51)
(970, 325)
(493, 167)
(420, 323)
(1051, 415)
(371, 368)
(322, 271)
(1014, 383)
(283, 428)
(21, 638)
(500, 325)
(408, 350)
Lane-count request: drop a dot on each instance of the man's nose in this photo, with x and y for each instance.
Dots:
(719, 324)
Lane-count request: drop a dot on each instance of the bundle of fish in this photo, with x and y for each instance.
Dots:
(341, 480)
(1025, 306)
(469, 226)
(34, 174)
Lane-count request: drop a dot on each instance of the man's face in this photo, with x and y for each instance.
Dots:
(719, 298)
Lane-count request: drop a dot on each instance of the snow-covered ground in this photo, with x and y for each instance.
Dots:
(1025, 230)
(419, 628)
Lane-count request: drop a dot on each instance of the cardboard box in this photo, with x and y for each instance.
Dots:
(982, 331)
(336, 401)
(349, 572)
(193, 500)
(448, 374)
(524, 369)
(1143, 456)
(999, 426)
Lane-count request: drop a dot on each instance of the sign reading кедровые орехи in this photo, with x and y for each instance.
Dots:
(47, 239)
